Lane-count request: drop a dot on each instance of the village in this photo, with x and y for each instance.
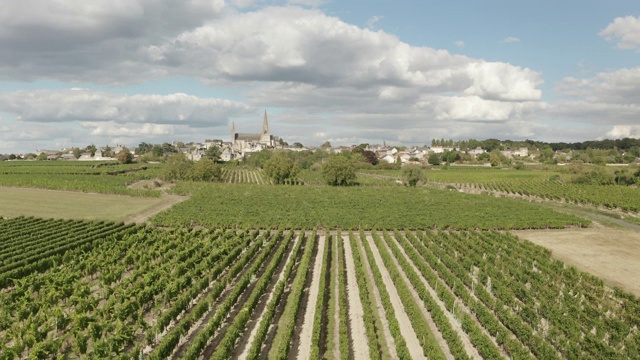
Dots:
(456, 153)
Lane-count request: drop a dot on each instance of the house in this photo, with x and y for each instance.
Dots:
(476, 152)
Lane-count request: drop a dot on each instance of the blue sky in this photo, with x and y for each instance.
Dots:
(124, 72)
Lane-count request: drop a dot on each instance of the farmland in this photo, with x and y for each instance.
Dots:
(245, 269)
(181, 293)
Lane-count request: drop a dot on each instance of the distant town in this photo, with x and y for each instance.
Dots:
(621, 152)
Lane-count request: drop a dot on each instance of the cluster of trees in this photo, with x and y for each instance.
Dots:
(179, 167)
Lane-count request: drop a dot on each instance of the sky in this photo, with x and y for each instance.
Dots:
(122, 72)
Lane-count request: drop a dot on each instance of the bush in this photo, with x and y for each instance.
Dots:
(339, 171)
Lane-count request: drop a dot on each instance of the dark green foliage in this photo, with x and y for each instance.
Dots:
(339, 171)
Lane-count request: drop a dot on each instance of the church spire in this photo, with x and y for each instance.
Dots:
(233, 132)
(265, 124)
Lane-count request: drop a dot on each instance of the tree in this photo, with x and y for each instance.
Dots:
(213, 153)
(157, 151)
(92, 149)
(205, 170)
(125, 156)
(412, 174)
(281, 168)
(178, 167)
(42, 156)
(339, 171)
(77, 153)
(434, 159)
(298, 145)
(370, 156)
(144, 148)
(326, 145)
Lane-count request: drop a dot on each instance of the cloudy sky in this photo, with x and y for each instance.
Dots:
(73, 73)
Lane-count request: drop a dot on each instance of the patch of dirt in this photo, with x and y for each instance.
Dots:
(167, 203)
(356, 314)
(151, 184)
(306, 334)
(608, 253)
(406, 329)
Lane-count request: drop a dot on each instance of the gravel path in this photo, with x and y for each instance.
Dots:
(406, 329)
(356, 314)
(304, 350)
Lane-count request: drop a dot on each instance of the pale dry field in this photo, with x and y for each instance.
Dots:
(608, 253)
(58, 204)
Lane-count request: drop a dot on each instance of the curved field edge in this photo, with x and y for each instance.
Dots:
(214, 205)
(17, 201)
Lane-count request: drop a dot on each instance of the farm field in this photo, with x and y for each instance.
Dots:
(97, 177)
(127, 291)
(250, 270)
(525, 183)
(296, 207)
(241, 175)
(611, 254)
(17, 201)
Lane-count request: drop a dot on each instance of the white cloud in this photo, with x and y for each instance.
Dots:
(624, 131)
(625, 31)
(87, 105)
(510, 39)
(459, 43)
(111, 128)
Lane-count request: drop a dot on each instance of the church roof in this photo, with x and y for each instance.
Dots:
(248, 137)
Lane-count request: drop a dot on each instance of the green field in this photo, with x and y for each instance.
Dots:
(368, 207)
(99, 177)
(244, 267)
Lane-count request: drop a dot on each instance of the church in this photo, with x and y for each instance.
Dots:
(246, 143)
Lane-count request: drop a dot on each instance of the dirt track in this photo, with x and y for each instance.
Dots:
(169, 201)
(304, 350)
(356, 320)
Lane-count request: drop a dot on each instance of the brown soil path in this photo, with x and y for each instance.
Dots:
(167, 203)
(336, 299)
(406, 329)
(356, 313)
(425, 313)
(382, 313)
(468, 346)
(304, 349)
(254, 331)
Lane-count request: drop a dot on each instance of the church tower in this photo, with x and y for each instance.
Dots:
(265, 137)
(233, 133)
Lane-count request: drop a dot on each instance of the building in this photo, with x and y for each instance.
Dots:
(246, 143)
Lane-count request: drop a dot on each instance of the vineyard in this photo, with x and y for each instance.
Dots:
(106, 178)
(106, 290)
(241, 175)
(366, 207)
(618, 197)
(528, 183)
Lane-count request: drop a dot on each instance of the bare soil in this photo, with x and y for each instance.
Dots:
(382, 313)
(167, 201)
(409, 335)
(246, 340)
(304, 348)
(608, 253)
(470, 349)
(356, 314)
